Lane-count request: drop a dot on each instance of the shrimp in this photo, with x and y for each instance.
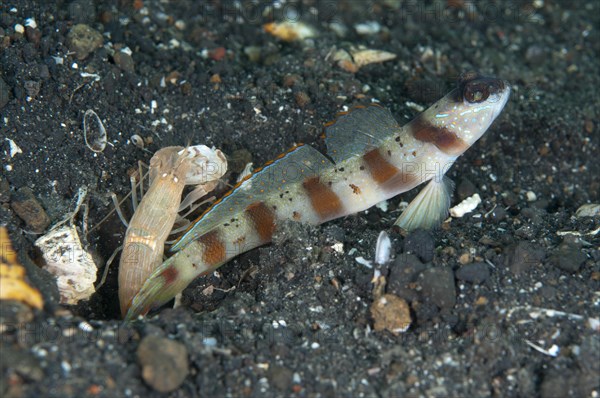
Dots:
(171, 169)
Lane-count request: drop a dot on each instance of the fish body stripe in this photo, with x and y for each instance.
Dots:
(446, 140)
(381, 170)
(324, 201)
(213, 248)
(263, 220)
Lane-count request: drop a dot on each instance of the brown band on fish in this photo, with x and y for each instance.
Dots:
(169, 275)
(324, 201)
(446, 140)
(263, 219)
(381, 170)
(213, 248)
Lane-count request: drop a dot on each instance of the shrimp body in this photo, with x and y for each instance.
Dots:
(171, 168)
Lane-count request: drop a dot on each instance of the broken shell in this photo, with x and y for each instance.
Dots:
(94, 132)
(351, 61)
(466, 206)
(368, 56)
(69, 262)
(137, 141)
(290, 31)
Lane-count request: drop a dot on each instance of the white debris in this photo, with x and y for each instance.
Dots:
(31, 23)
(531, 196)
(383, 206)
(368, 28)
(19, 28)
(94, 76)
(69, 262)
(383, 251)
(66, 258)
(290, 30)
(553, 351)
(338, 247)
(94, 132)
(362, 261)
(588, 210)
(13, 148)
(466, 206)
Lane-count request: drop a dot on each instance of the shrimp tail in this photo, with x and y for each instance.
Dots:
(163, 284)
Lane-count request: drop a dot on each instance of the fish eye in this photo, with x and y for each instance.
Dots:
(476, 92)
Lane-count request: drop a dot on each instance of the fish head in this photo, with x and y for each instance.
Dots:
(475, 104)
(458, 120)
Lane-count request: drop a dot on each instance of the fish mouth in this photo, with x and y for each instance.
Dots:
(503, 97)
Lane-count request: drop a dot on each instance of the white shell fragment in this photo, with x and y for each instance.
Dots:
(466, 206)
(383, 252)
(67, 260)
(290, 31)
(94, 132)
(137, 141)
(588, 210)
(356, 58)
(368, 28)
(13, 148)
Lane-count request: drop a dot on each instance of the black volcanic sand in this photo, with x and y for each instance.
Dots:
(292, 318)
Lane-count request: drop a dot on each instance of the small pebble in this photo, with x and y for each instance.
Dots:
(83, 40)
(498, 214)
(522, 256)
(164, 363)
(421, 244)
(473, 273)
(27, 207)
(4, 93)
(568, 257)
(391, 313)
(280, 377)
(465, 189)
(438, 286)
(124, 61)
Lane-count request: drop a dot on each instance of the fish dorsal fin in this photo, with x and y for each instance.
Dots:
(355, 132)
(288, 168)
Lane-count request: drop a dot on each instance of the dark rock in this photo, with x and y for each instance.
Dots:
(498, 214)
(164, 363)
(510, 199)
(33, 35)
(4, 190)
(473, 273)
(568, 257)
(4, 93)
(83, 40)
(405, 271)
(521, 256)
(535, 55)
(20, 361)
(32, 88)
(30, 210)
(438, 286)
(124, 61)
(420, 243)
(465, 189)
(280, 377)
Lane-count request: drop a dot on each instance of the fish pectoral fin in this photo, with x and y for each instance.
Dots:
(429, 208)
